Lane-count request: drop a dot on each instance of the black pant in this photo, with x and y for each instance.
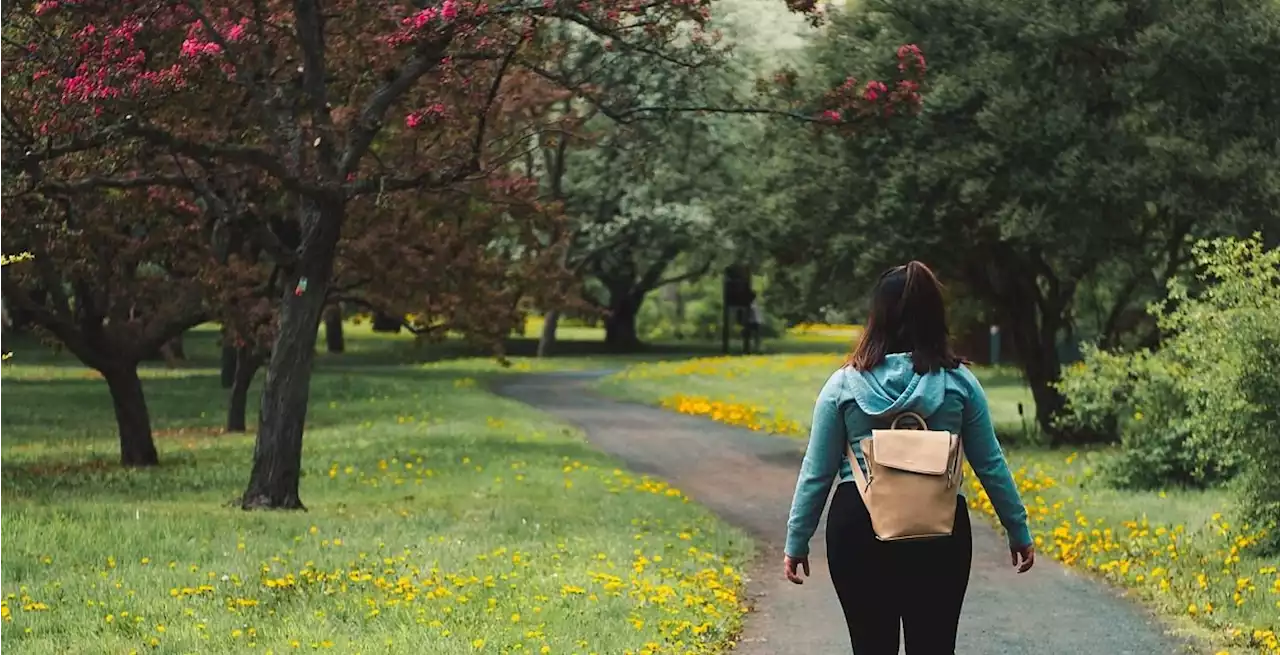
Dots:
(920, 584)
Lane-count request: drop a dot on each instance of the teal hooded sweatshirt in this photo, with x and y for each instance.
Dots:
(853, 402)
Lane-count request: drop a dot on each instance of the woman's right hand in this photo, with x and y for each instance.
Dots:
(1028, 556)
(791, 567)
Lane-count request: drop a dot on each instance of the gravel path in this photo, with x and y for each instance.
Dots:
(748, 478)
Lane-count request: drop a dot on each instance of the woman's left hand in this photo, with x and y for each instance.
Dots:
(791, 567)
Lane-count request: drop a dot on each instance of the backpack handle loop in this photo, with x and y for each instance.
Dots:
(909, 415)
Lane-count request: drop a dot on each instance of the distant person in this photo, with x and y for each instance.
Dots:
(903, 363)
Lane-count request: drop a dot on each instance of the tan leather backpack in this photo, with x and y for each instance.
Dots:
(915, 477)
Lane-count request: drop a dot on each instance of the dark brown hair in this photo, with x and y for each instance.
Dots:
(908, 315)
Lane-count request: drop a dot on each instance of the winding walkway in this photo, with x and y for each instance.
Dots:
(748, 478)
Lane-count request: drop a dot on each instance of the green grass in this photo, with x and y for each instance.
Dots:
(438, 516)
(1175, 548)
(577, 348)
(787, 386)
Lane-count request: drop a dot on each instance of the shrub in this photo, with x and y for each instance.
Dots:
(1141, 397)
(1203, 407)
(701, 320)
(1262, 481)
(1236, 326)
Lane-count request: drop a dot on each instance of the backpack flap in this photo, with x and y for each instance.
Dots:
(925, 452)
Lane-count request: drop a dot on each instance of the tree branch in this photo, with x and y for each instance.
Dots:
(62, 327)
(108, 182)
(75, 145)
(361, 135)
(626, 114)
(310, 31)
(169, 330)
(426, 180)
(1109, 327)
(477, 146)
(649, 280)
(404, 323)
(249, 155)
(690, 275)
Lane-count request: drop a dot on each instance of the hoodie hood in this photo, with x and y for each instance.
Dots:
(894, 387)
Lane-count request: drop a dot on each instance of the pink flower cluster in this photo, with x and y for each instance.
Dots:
(194, 48)
(875, 88)
(431, 113)
(449, 11)
(43, 8)
(111, 65)
(910, 59)
(847, 101)
(420, 19)
(200, 44)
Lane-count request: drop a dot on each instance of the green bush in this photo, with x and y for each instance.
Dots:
(1262, 479)
(1230, 332)
(658, 320)
(1203, 407)
(1141, 397)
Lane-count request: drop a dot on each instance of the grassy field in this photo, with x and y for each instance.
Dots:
(442, 519)
(1179, 550)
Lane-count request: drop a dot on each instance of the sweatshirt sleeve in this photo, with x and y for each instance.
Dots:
(822, 461)
(987, 459)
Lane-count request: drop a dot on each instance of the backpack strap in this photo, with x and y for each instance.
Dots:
(860, 479)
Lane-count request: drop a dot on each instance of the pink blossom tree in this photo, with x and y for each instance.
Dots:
(334, 106)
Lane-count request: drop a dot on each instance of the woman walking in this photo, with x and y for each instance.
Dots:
(903, 366)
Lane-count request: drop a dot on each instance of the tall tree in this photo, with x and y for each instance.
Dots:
(661, 175)
(113, 275)
(1058, 140)
(643, 191)
(594, 161)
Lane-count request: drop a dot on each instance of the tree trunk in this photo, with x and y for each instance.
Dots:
(725, 317)
(620, 333)
(137, 447)
(548, 336)
(1033, 336)
(228, 372)
(1042, 370)
(277, 452)
(177, 348)
(247, 364)
(386, 323)
(334, 340)
(1033, 325)
(1032, 318)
